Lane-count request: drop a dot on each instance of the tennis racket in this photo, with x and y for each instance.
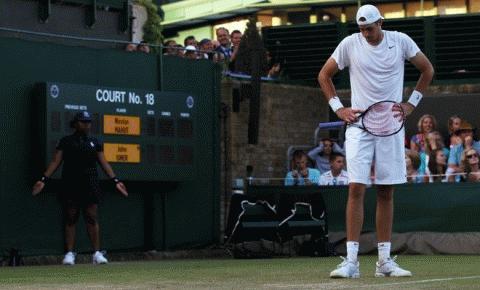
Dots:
(379, 119)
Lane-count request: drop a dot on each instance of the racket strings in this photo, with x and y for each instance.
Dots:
(380, 119)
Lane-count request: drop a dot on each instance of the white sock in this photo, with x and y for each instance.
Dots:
(352, 251)
(384, 250)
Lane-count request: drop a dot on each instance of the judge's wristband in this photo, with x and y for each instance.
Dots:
(44, 179)
(115, 180)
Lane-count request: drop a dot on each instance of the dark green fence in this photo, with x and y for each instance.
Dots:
(432, 207)
(451, 42)
(156, 215)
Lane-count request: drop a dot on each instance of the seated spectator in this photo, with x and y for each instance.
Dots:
(321, 154)
(336, 175)
(190, 40)
(433, 141)
(470, 165)
(412, 160)
(465, 132)
(169, 48)
(437, 164)
(131, 47)
(453, 125)
(301, 174)
(190, 52)
(426, 124)
(143, 47)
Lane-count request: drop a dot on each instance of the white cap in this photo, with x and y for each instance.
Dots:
(370, 13)
(190, 48)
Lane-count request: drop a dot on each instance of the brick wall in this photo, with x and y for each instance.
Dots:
(289, 116)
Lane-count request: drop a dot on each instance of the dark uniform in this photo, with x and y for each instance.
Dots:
(80, 177)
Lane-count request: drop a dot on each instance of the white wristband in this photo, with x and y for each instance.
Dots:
(415, 98)
(335, 103)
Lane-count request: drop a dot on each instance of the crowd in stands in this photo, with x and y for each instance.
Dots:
(429, 156)
(224, 49)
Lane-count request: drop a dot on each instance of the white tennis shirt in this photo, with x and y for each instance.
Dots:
(376, 72)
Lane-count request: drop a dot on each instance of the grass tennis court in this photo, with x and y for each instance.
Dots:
(430, 272)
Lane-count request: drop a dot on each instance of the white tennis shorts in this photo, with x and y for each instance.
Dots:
(386, 153)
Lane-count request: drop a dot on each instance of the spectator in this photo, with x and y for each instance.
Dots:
(169, 47)
(301, 174)
(437, 164)
(337, 175)
(223, 38)
(453, 125)
(470, 165)
(206, 46)
(465, 132)
(190, 40)
(190, 52)
(131, 47)
(143, 47)
(273, 68)
(180, 50)
(412, 160)
(434, 141)
(426, 124)
(216, 44)
(236, 37)
(321, 154)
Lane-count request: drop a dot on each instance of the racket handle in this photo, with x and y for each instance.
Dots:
(331, 125)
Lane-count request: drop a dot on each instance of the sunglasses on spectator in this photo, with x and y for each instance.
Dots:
(472, 155)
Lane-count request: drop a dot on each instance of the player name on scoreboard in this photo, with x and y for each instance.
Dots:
(121, 125)
(126, 153)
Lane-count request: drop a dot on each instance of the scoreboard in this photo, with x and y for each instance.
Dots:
(147, 135)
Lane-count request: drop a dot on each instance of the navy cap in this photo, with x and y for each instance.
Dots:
(83, 116)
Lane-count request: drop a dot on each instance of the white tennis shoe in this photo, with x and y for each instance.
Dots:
(69, 259)
(346, 269)
(389, 268)
(99, 258)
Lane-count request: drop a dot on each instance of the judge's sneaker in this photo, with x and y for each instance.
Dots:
(98, 258)
(69, 259)
(347, 269)
(389, 268)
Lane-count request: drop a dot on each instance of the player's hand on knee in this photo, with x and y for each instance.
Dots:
(348, 115)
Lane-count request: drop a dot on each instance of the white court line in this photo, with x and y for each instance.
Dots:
(343, 286)
(422, 281)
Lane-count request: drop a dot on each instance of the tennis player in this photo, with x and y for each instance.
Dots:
(80, 153)
(375, 59)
